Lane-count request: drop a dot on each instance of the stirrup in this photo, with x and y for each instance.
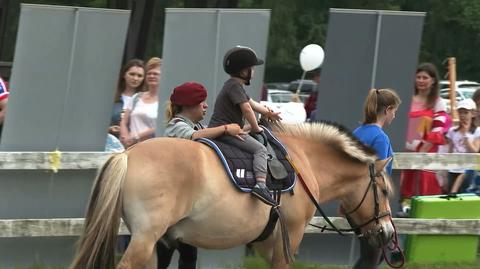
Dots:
(261, 193)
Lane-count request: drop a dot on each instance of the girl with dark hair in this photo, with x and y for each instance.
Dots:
(130, 82)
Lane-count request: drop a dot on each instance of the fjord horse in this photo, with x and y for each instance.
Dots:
(179, 189)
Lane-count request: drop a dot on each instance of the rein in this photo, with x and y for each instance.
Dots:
(312, 198)
(355, 228)
(395, 247)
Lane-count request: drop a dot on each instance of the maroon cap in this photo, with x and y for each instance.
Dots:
(188, 94)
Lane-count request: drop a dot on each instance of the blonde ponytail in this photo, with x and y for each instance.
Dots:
(171, 110)
(370, 107)
(377, 102)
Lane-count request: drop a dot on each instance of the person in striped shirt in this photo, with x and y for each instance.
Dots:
(3, 102)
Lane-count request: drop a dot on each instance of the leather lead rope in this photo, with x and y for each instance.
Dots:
(395, 247)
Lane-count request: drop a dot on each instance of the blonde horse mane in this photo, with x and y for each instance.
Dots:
(333, 135)
(336, 136)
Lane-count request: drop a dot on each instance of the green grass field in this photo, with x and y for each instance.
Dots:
(258, 263)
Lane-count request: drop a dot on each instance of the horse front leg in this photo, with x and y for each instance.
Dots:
(295, 234)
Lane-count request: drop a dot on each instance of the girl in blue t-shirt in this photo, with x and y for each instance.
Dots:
(379, 110)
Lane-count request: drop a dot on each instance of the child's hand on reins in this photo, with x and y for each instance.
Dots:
(272, 115)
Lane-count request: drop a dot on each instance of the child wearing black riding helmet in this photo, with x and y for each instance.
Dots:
(233, 105)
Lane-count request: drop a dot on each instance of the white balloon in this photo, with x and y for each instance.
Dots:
(311, 57)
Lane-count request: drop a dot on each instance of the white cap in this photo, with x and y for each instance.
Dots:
(467, 104)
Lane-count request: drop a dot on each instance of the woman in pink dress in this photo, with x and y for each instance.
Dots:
(427, 124)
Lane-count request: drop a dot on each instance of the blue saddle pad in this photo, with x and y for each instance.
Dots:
(239, 164)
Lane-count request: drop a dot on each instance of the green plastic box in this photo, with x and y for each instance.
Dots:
(443, 248)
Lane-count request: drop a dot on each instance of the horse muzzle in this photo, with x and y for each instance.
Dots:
(380, 236)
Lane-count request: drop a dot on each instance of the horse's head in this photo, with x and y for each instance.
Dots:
(345, 169)
(368, 209)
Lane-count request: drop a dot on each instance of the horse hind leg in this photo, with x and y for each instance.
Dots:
(139, 251)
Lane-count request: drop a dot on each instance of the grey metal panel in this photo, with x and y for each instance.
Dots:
(63, 81)
(39, 66)
(400, 41)
(63, 78)
(349, 67)
(195, 42)
(96, 61)
(356, 59)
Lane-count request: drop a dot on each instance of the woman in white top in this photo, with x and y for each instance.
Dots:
(140, 118)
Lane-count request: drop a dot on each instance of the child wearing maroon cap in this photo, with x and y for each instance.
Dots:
(233, 105)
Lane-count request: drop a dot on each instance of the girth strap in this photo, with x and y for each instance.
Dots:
(267, 231)
(275, 215)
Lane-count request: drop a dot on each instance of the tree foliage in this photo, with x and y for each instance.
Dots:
(452, 28)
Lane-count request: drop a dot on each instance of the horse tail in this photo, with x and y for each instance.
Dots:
(96, 246)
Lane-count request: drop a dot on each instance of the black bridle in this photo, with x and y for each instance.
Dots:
(377, 214)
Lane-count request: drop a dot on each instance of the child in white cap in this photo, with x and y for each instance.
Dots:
(464, 138)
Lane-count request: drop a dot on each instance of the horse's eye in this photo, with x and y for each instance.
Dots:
(385, 192)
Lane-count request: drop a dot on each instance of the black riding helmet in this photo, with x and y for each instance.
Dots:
(238, 58)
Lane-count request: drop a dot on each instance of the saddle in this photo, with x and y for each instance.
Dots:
(238, 164)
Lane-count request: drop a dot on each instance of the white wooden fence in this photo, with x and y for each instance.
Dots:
(92, 160)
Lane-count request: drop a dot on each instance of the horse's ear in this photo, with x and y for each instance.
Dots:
(381, 164)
